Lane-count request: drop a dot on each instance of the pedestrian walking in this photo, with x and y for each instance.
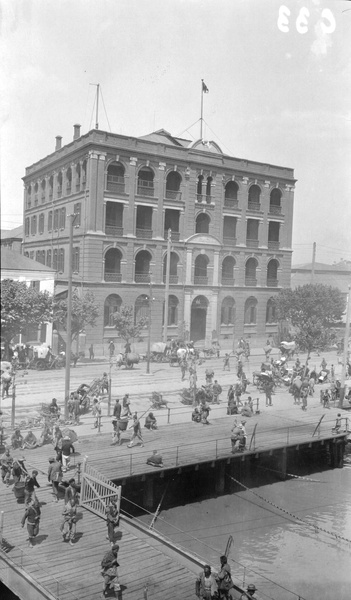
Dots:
(117, 409)
(206, 585)
(71, 493)
(55, 476)
(136, 432)
(224, 580)
(96, 410)
(226, 363)
(68, 525)
(109, 566)
(104, 383)
(268, 389)
(91, 352)
(111, 348)
(112, 521)
(183, 368)
(304, 396)
(6, 380)
(29, 487)
(126, 412)
(32, 516)
(67, 450)
(216, 390)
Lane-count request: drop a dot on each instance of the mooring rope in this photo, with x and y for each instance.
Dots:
(292, 475)
(315, 527)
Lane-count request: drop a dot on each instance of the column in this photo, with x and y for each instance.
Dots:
(92, 168)
(158, 232)
(100, 191)
(130, 217)
(211, 324)
(187, 310)
(262, 234)
(189, 256)
(181, 225)
(215, 268)
(220, 478)
(148, 493)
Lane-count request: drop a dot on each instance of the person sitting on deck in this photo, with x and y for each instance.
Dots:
(204, 411)
(53, 408)
(30, 441)
(206, 585)
(246, 411)
(195, 415)
(155, 460)
(150, 421)
(17, 439)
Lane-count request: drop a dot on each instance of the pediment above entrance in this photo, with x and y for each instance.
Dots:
(203, 239)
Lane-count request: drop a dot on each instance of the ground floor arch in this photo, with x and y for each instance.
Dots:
(198, 317)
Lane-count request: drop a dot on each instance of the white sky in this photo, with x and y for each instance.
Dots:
(277, 97)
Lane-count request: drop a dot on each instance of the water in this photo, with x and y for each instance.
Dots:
(273, 544)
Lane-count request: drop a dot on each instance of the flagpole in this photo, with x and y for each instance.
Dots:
(202, 107)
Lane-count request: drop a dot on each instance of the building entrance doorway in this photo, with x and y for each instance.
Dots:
(198, 318)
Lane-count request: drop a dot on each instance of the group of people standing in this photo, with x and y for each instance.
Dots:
(211, 585)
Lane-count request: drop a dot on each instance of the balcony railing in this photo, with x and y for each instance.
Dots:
(145, 188)
(172, 279)
(42, 197)
(203, 198)
(175, 235)
(272, 282)
(200, 280)
(59, 192)
(273, 245)
(36, 200)
(231, 203)
(173, 195)
(142, 277)
(275, 210)
(144, 233)
(68, 188)
(116, 277)
(252, 243)
(251, 281)
(227, 280)
(78, 186)
(115, 184)
(229, 241)
(255, 206)
(114, 230)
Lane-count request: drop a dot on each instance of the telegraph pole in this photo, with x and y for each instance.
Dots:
(69, 313)
(168, 268)
(149, 329)
(313, 262)
(346, 349)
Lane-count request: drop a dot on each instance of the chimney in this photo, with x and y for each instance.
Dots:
(58, 142)
(76, 134)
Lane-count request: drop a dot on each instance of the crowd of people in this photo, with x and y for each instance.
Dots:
(217, 584)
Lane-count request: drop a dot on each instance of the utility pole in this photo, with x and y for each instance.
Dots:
(313, 262)
(346, 349)
(71, 219)
(149, 329)
(168, 268)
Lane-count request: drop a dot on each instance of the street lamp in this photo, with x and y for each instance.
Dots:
(149, 329)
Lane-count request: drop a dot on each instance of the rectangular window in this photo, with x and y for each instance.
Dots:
(75, 260)
(54, 261)
(26, 226)
(77, 211)
(35, 285)
(62, 218)
(41, 223)
(56, 219)
(50, 221)
(31, 254)
(40, 256)
(48, 258)
(33, 225)
(61, 261)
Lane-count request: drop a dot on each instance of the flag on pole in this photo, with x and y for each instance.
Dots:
(204, 87)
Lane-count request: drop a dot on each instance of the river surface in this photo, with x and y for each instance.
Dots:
(272, 544)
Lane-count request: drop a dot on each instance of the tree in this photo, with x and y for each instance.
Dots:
(313, 310)
(85, 311)
(124, 322)
(22, 307)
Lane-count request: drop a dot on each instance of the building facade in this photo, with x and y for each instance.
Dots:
(230, 221)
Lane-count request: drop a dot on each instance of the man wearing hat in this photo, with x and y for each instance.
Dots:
(250, 592)
(109, 571)
(54, 476)
(112, 521)
(67, 449)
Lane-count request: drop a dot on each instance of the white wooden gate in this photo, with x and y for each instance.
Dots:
(98, 492)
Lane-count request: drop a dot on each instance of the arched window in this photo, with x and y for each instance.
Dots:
(208, 190)
(250, 311)
(200, 273)
(173, 182)
(141, 308)
(271, 311)
(59, 185)
(275, 201)
(84, 174)
(202, 223)
(254, 196)
(111, 306)
(43, 190)
(68, 180)
(272, 273)
(146, 182)
(142, 267)
(231, 194)
(228, 311)
(51, 186)
(173, 268)
(250, 271)
(228, 270)
(115, 177)
(41, 223)
(199, 187)
(113, 259)
(173, 304)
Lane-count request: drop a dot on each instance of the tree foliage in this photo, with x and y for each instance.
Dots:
(124, 322)
(85, 311)
(313, 310)
(22, 307)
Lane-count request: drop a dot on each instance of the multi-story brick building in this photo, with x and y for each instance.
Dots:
(231, 222)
